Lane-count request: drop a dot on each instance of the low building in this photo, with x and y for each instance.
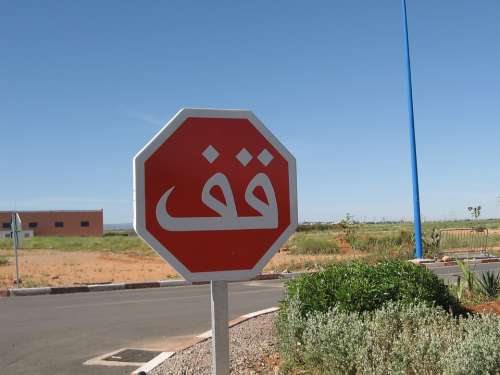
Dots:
(7, 233)
(57, 223)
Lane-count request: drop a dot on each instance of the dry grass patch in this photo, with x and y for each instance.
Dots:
(56, 267)
(283, 261)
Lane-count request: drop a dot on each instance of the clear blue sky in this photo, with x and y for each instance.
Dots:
(83, 86)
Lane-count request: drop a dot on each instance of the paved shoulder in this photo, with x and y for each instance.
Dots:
(55, 334)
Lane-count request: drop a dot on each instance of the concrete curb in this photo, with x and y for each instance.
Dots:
(491, 260)
(454, 263)
(151, 365)
(169, 283)
(28, 291)
(105, 287)
(18, 292)
(161, 358)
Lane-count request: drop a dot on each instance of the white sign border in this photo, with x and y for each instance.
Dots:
(139, 193)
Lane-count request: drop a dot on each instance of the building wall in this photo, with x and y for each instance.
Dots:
(8, 233)
(43, 223)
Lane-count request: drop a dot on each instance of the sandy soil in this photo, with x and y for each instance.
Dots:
(487, 307)
(54, 268)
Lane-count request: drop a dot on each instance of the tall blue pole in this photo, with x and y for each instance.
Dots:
(416, 195)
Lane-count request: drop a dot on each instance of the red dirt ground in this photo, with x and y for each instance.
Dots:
(492, 306)
(56, 267)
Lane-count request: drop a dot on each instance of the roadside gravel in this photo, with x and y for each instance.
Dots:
(252, 351)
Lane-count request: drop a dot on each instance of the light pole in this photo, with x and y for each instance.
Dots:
(416, 195)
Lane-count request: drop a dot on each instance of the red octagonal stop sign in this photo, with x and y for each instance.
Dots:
(215, 194)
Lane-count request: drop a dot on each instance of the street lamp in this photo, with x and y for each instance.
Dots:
(416, 195)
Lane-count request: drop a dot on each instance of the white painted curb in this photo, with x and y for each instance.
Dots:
(158, 360)
(135, 285)
(105, 287)
(167, 283)
(155, 362)
(260, 312)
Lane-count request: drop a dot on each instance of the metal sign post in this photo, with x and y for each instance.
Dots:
(15, 226)
(220, 329)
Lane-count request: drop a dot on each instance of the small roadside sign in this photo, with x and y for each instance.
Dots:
(17, 238)
(17, 230)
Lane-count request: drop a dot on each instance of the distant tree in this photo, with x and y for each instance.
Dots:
(475, 211)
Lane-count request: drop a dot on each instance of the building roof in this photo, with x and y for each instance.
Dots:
(39, 211)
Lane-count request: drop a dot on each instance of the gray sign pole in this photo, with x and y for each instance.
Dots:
(15, 241)
(220, 329)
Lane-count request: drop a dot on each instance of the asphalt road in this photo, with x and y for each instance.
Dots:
(55, 334)
(450, 273)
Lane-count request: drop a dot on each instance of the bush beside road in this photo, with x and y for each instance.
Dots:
(390, 318)
(359, 287)
(393, 339)
(353, 318)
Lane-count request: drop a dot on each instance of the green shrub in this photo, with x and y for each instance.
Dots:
(476, 350)
(381, 243)
(402, 242)
(303, 243)
(395, 339)
(357, 287)
(468, 274)
(313, 227)
(489, 284)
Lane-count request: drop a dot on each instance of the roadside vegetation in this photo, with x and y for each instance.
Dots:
(393, 317)
(472, 289)
(356, 286)
(394, 339)
(313, 243)
(122, 256)
(316, 238)
(114, 244)
(396, 239)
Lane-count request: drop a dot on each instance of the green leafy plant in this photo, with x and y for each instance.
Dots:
(356, 286)
(313, 243)
(350, 228)
(393, 245)
(432, 243)
(460, 292)
(489, 284)
(315, 227)
(468, 275)
(395, 339)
